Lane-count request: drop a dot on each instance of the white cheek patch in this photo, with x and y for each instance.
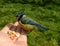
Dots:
(24, 16)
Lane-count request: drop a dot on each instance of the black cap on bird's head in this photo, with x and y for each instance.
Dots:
(19, 16)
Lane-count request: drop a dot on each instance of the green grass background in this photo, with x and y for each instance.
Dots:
(48, 16)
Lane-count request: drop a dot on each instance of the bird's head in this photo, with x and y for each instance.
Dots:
(19, 16)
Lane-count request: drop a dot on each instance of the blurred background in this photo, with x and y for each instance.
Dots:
(45, 12)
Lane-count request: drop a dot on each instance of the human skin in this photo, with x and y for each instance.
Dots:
(6, 41)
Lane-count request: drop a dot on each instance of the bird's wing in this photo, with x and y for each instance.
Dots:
(28, 21)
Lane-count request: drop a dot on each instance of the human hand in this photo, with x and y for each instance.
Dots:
(6, 41)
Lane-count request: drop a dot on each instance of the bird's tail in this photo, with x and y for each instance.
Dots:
(41, 27)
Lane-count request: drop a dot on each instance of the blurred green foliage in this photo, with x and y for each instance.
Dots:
(38, 2)
(46, 12)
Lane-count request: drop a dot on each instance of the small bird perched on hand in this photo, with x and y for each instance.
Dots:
(27, 23)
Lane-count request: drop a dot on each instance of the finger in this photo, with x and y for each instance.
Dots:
(14, 27)
(18, 29)
(23, 32)
(23, 37)
(7, 27)
(16, 24)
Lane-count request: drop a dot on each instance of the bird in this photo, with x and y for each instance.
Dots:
(29, 24)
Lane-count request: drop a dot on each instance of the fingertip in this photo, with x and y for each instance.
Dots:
(7, 27)
(16, 23)
(23, 32)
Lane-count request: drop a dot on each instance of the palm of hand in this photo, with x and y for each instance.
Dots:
(6, 41)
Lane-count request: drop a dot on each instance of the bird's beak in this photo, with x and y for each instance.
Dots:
(16, 18)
